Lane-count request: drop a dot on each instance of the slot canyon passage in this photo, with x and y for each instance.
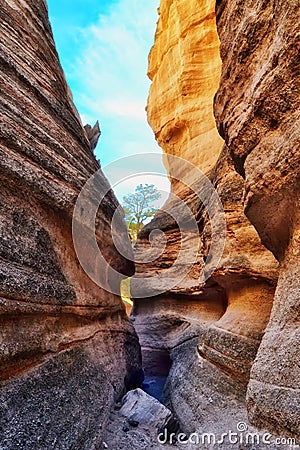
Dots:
(218, 352)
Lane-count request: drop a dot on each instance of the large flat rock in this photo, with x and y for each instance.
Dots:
(139, 406)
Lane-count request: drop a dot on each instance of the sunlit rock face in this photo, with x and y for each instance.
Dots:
(67, 348)
(184, 66)
(257, 110)
(210, 329)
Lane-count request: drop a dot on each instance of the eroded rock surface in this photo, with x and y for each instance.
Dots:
(93, 134)
(67, 348)
(257, 110)
(184, 66)
(208, 331)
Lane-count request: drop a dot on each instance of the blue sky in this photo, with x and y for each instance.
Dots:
(103, 47)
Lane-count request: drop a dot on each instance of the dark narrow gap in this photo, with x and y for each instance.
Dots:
(156, 364)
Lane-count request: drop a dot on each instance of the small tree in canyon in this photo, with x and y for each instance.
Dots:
(138, 208)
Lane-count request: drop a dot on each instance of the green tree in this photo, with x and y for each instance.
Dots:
(137, 207)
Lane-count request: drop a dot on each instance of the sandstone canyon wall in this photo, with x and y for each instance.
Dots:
(211, 332)
(257, 111)
(67, 348)
(184, 66)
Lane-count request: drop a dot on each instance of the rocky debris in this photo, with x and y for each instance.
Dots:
(93, 135)
(257, 111)
(120, 435)
(139, 421)
(67, 348)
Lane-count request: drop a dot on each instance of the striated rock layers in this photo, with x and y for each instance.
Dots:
(184, 66)
(66, 350)
(258, 114)
(205, 332)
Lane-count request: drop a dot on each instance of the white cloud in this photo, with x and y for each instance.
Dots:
(110, 83)
(134, 109)
(112, 65)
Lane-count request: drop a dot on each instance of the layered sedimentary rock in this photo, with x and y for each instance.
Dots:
(67, 348)
(184, 66)
(207, 333)
(257, 110)
(206, 328)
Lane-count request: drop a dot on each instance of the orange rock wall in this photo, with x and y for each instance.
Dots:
(185, 66)
(212, 330)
